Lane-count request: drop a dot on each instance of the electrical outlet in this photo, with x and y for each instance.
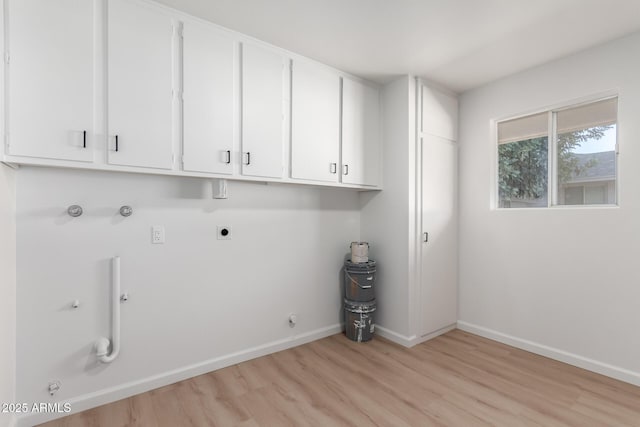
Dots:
(157, 234)
(224, 232)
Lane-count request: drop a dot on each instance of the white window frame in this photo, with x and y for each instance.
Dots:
(552, 153)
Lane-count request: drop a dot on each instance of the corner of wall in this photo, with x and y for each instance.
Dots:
(412, 214)
(7, 290)
(385, 214)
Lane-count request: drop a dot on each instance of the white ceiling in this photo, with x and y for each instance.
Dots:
(460, 44)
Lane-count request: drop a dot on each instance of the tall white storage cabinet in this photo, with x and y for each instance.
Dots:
(140, 79)
(209, 59)
(263, 111)
(315, 129)
(417, 278)
(50, 79)
(437, 133)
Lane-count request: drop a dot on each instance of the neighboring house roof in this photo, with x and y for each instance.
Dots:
(603, 168)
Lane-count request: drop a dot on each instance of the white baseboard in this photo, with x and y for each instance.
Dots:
(413, 339)
(395, 337)
(102, 397)
(554, 353)
(432, 335)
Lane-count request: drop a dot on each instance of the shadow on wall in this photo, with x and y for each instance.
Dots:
(366, 197)
(153, 192)
(342, 288)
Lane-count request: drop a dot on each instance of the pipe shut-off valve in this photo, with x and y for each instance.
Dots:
(293, 319)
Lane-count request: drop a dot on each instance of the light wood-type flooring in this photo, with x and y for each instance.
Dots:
(457, 379)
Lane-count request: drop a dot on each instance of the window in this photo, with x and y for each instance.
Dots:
(566, 156)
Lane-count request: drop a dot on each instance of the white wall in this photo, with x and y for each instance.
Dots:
(195, 299)
(565, 280)
(387, 215)
(7, 289)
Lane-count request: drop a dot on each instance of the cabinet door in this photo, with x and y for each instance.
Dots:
(360, 133)
(141, 94)
(439, 220)
(209, 107)
(263, 111)
(50, 79)
(439, 113)
(315, 122)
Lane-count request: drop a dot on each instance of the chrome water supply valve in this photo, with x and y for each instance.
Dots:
(74, 210)
(126, 211)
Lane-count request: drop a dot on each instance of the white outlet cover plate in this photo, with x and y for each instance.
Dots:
(157, 234)
(224, 227)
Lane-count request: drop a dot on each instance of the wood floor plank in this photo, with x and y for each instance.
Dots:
(457, 379)
(354, 393)
(295, 378)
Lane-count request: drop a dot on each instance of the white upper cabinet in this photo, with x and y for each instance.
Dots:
(263, 111)
(209, 99)
(360, 133)
(50, 79)
(140, 81)
(315, 122)
(439, 113)
(133, 85)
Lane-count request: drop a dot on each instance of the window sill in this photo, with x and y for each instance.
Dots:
(560, 208)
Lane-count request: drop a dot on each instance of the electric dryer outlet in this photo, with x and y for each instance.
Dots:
(224, 232)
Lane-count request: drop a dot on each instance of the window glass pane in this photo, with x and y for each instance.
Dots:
(595, 195)
(574, 195)
(586, 147)
(523, 162)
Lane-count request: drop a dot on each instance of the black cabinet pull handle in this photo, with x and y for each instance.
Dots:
(346, 169)
(84, 139)
(116, 143)
(248, 158)
(228, 156)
